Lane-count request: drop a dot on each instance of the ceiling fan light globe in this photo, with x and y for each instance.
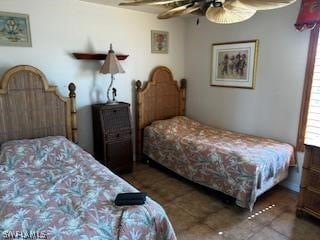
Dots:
(218, 4)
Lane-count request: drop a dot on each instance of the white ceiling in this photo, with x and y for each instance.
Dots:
(150, 9)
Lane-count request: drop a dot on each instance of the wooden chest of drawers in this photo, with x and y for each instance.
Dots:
(112, 136)
(309, 198)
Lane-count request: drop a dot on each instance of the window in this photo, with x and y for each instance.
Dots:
(312, 135)
(309, 126)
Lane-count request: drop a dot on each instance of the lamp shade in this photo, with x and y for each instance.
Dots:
(111, 64)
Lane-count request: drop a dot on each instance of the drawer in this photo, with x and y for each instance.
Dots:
(116, 136)
(315, 158)
(314, 179)
(114, 119)
(312, 200)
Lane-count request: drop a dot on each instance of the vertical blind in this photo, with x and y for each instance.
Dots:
(312, 136)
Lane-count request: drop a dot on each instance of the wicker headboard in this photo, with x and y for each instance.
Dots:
(30, 108)
(159, 98)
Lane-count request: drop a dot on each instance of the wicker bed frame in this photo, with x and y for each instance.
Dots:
(30, 108)
(159, 98)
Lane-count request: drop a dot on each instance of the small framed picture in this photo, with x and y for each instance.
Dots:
(234, 64)
(159, 41)
(15, 29)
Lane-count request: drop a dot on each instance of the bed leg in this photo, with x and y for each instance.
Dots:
(227, 199)
(145, 159)
(299, 213)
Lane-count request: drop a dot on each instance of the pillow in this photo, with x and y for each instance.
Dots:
(175, 125)
(34, 152)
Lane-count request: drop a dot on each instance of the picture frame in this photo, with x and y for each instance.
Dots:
(234, 64)
(159, 41)
(15, 29)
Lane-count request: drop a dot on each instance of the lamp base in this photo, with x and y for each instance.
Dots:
(111, 102)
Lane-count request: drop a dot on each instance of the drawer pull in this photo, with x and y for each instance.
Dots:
(118, 135)
(114, 111)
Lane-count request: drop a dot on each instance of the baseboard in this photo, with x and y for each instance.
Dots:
(290, 185)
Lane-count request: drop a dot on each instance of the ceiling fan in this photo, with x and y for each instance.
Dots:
(218, 11)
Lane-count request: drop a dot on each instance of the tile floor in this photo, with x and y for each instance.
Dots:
(198, 213)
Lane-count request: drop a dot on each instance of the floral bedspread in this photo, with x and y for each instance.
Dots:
(238, 165)
(52, 188)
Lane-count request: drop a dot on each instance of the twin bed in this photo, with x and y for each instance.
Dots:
(239, 165)
(49, 186)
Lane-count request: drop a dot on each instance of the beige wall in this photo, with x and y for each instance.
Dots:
(272, 108)
(60, 27)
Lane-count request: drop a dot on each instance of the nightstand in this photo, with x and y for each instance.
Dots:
(309, 197)
(112, 136)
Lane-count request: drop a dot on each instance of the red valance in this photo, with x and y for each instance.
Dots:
(309, 15)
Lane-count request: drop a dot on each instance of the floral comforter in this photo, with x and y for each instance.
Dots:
(51, 188)
(238, 165)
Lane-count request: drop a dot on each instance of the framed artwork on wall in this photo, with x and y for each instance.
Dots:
(15, 29)
(234, 64)
(159, 41)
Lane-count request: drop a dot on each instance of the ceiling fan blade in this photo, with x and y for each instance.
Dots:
(230, 12)
(266, 4)
(179, 11)
(148, 2)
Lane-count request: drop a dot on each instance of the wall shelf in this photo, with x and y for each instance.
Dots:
(96, 56)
